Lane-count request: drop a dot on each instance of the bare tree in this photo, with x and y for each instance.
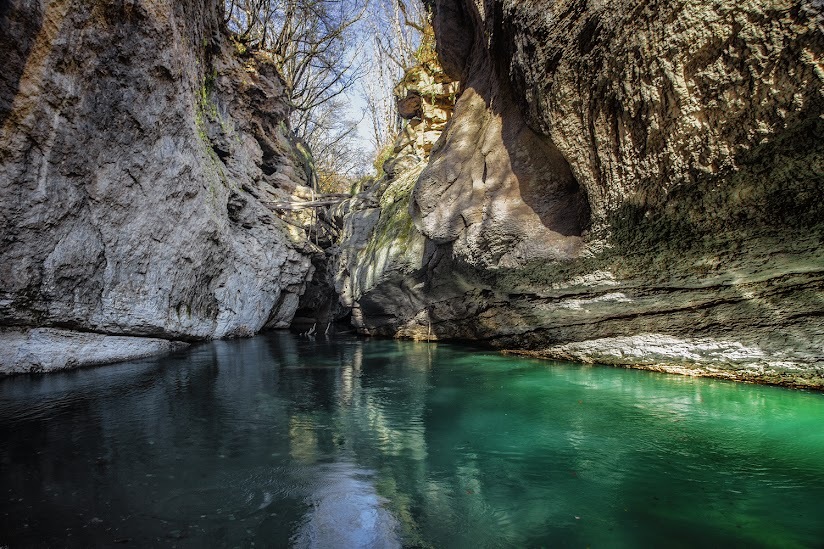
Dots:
(337, 151)
(397, 28)
(323, 48)
(311, 42)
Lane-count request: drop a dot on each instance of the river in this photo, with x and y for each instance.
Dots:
(282, 441)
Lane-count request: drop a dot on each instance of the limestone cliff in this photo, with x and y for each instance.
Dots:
(380, 263)
(631, 182)
(138, 150)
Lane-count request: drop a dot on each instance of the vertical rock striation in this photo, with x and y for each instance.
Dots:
(138, 149)
(632, 182)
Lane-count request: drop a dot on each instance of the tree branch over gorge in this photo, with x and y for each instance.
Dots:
(309, 40)
(329, 53)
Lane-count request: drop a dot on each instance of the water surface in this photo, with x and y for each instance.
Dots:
(278, 441)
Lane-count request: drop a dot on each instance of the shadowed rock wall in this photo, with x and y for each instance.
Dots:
(630, 182)
(138, 148)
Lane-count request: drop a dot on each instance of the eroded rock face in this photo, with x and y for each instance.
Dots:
(382, 263)
(629, 182)
(137, 153)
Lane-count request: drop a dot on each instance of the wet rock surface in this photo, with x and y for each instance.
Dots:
(138, 152)
(631, 183)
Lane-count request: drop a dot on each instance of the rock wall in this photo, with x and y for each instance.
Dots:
(630, 182)
(138, 149)
(379, 267)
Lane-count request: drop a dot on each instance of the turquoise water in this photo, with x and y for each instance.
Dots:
(278, 441)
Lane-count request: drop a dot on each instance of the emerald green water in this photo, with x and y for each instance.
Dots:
(279, 441)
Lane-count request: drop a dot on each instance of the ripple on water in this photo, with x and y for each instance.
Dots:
(346, 511)
(232, 495)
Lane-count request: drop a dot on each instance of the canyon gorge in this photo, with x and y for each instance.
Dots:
(625, 182)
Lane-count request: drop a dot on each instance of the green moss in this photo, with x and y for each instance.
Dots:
(241, 49)
(201, 114)
(206, 111)
(383, 155)
(774, 191)
(205, 103)
(395, 228)
(361, 184)
(426, 54)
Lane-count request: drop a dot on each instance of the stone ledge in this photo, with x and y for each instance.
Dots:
(699, 357)
(41, 350)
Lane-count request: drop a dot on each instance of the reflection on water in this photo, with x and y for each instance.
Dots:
(279, 441)
(346, 511)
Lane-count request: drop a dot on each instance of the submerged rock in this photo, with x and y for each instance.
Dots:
(633, 183)
(139, 148)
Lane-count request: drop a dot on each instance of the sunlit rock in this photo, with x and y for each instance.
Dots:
(139, 152)
(630, 183)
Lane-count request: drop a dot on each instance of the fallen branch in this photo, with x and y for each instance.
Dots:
(321, 203)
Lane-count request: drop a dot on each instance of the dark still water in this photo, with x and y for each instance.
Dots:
(279, 441)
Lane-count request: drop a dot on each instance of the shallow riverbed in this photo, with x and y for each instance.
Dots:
(277, 441)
